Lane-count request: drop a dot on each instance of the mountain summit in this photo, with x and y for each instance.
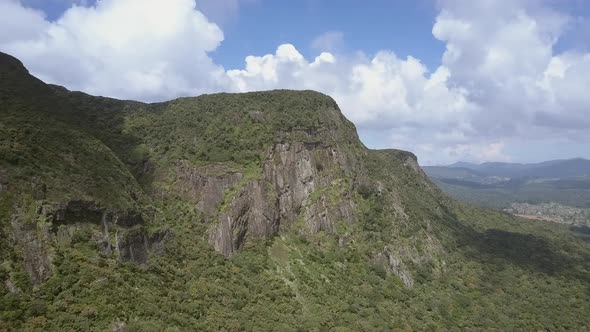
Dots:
(255, 211)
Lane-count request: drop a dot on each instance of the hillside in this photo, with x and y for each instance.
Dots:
(260, 211)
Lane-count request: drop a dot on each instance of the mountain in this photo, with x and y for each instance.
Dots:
(460, 173)
(462, 164)
(567, 168)
(561, 185)
(259, 211)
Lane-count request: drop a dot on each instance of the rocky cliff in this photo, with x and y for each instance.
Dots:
(225, 206)
(301, 173)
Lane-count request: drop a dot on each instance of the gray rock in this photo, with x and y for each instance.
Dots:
(11, 287)
(37, 229)
(137, 246)
(393, 264)
(206, 185)
(252, 214)
(33, 242)
(292, 172)
(257, 116)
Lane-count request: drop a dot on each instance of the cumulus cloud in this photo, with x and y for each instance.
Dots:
(500, 83)
(501, 89)
(12, 22)
(499, 52)
(502, 54)
(393, 101)
(143, 49)
(382, 91)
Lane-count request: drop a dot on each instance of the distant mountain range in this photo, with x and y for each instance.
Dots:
(500, 185)
(564, 168)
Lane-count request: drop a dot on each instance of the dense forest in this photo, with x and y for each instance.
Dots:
(251, 212)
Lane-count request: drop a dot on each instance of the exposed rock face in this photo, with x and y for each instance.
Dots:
(11, 287)
(136, 246)
(296, 170)
(395, 265)
(205, 185)
(32, 239)
(323, 214)
(118, 326)
(88, 212)
(292, 171)
(412, 163)
(39, 228)
(296, 182)
(252, 214)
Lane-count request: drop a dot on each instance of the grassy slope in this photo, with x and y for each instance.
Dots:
(494, 271)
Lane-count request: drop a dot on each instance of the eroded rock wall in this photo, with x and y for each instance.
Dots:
(299, 184)
(38, 229)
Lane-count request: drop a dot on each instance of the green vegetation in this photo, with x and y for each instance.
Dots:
(63, 163)
(409, 259)
(501, 197)
(292, 284)
(229, 127)
(499, 185)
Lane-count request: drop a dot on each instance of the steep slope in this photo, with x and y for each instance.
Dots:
(257, 211)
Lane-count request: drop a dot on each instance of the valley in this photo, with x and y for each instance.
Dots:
(556, 190)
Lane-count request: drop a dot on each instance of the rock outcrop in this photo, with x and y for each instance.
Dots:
(39, 229)
(205, 185)
(33, 243)
(251, 214)
(297, 181)
(394, 265)
(136, 246)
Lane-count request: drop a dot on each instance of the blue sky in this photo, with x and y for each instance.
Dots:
(488, 80)
(403, 26)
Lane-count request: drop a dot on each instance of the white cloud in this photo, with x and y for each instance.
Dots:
(144, 49)
(502, 54)
(499, 51)
(18, 23)
(384, 91)
(500, 84)
(394, 102)
(566, 83)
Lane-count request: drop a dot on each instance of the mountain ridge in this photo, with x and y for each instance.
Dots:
(573, 167)
(500, 185)
(255, 211)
